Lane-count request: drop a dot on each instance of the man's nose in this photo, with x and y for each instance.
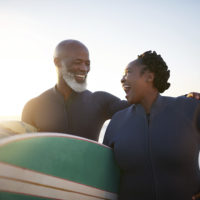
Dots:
(84, 67)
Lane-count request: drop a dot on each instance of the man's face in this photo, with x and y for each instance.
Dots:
(75, 67)
(134, 83)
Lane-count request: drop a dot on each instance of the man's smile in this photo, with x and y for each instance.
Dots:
(80, 77)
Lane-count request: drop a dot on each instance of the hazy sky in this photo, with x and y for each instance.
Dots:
(115, 31)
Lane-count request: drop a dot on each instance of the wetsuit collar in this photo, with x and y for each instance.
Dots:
(156, 107)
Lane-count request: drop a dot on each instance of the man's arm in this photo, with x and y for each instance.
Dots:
(28, 114)
(113, 104)
(110, 103)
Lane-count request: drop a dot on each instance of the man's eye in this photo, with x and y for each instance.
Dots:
(125, 73)
(87, 63)
(77, 62)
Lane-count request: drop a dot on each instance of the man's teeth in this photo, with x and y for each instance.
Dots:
(80, 76)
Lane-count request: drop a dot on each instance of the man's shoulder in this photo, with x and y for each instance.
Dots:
(42, 97)
(48, 92)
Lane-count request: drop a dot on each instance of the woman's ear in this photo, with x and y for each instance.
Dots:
(149, 77)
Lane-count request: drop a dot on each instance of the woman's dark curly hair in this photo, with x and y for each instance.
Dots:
(154, 63)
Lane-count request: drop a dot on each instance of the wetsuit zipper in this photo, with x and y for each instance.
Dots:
(65, 113)
(148, 119)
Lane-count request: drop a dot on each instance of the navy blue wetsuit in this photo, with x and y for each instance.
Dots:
(83, 114)
(157, 154)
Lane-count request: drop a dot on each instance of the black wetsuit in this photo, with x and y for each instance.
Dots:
(83, 114)
(157, 154)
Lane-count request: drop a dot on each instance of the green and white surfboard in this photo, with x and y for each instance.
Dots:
(39, 166)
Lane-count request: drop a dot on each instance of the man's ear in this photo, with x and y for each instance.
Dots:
(57, 62)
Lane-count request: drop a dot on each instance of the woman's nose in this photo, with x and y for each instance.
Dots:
(123, 78)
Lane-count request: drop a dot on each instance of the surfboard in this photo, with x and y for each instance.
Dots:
(56, 166)
(13, 127)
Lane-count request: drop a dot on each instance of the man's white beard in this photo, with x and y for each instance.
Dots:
(71, 81)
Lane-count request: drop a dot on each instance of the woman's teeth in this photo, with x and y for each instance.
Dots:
(126, 88)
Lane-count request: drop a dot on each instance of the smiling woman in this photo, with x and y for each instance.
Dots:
(156, 139)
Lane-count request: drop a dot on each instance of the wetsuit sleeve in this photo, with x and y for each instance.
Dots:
(111, 104)
(192, 109)
(198, 119)
(116, 106)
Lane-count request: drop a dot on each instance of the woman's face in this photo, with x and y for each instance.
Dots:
(134, 82)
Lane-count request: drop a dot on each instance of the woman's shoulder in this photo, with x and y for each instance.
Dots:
(181, 101)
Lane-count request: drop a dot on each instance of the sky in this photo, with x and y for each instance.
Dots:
(115, 32)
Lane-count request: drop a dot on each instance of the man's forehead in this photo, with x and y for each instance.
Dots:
(75, 52)
(71, 48)
(81, 54)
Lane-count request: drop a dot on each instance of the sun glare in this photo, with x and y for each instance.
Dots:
(22, 65)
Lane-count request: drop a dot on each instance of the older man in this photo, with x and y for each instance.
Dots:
(69, 107)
